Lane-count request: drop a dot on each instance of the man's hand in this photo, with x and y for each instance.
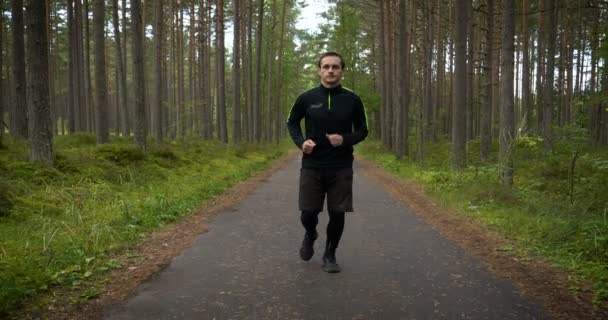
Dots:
(335, 139)
(307, 146)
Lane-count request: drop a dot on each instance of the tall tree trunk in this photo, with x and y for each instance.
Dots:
(72, 110)
(269, 73)
(403, 109)
(191, 75)
(19, 128)
(101, 116)
(128, 109)
(384, 133)
(220, 84)
(548, 89)
(87, 69)
(139, 78)
(83, 109)
(595, 109)
(525, 81)
(122, 74)
(258, 73)
(486, 112)
(41, 135)
(204, 83)
(427, 114)
(540, 57)
(459, 112)
(2, 95)
(236, 73)
(157, 119)
(250, 93)
(181, 112)
(279, 94)
(470, 71)
(507, 128)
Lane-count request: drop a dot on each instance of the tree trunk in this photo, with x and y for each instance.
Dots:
(220, 84)
(181, 112)
(101, 116)
(41, 135)
(157, 119)
(403, 109)
(427, 114)
(19, 127)
(459, 112)
(470, 71)
(507, 131)
(269, 73)
(122, 75)
(127, 108)
(2, 95)
(258, 73)
(486, 112)
(548, 90)
(81, 124)
(87, 70)
(540, 56)
(525, 82)
(236, 73)
(279, 118)
(139, 78)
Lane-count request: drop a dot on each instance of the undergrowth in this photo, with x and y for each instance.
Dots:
(551, 210)
(60, 224)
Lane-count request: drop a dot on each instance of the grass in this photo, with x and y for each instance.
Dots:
(549, 211)
(60, 224)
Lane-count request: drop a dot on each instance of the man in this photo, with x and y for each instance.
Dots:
(335, 121)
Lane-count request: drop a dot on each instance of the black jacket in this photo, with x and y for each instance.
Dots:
(326, 111)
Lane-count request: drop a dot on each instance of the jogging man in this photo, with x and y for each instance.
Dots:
(335, 121)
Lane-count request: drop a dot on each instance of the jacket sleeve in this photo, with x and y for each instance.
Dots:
(298, 111)
(359, 125)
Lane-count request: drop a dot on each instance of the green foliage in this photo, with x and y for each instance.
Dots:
(59, 224)
(551, 210)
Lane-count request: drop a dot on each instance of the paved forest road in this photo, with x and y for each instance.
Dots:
(393, 267)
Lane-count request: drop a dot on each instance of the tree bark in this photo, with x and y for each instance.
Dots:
(2, 95)
(258, 73)
(269, 73)
(486, 112)
(157, 119)
(41, 135)
(221, 82)
(19, 127)
(525, 82)
(122, 74)
(548, 89)
(101, 116)
(139, 75)
(459, 112)
(540, 56)
(403, 109)
(236, 73)
(507, 131)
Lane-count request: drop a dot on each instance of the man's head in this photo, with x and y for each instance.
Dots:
(330, 69)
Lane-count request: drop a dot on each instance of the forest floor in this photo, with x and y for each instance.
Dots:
(532, 277)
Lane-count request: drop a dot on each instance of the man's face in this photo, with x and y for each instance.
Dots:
(330, 71)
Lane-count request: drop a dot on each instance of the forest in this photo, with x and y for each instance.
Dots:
(499, 108)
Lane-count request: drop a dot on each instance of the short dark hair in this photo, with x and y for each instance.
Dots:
(331, 54)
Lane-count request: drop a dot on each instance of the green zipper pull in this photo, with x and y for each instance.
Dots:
(329, 101)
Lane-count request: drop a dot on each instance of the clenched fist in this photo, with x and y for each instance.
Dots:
(307, 146)
(335, 139)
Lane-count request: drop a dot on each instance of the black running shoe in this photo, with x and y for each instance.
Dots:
(307, 250)
(330, 265)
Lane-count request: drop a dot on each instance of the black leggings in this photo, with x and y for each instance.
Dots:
(310, 219)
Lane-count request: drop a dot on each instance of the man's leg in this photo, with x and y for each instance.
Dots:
(309, 219)
(334, 233)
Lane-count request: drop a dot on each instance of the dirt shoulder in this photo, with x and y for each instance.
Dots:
(146, 259)
(532, 276)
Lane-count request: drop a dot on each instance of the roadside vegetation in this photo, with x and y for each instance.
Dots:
(60, 224)
(557, 207)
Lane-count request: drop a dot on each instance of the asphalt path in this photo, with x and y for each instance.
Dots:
(394, 266)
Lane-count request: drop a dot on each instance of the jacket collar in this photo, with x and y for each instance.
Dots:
(335, 89)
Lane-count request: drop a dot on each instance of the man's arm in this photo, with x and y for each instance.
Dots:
(298, 111)
(359, 125)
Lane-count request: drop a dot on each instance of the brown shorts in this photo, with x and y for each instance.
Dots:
(336, 183)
